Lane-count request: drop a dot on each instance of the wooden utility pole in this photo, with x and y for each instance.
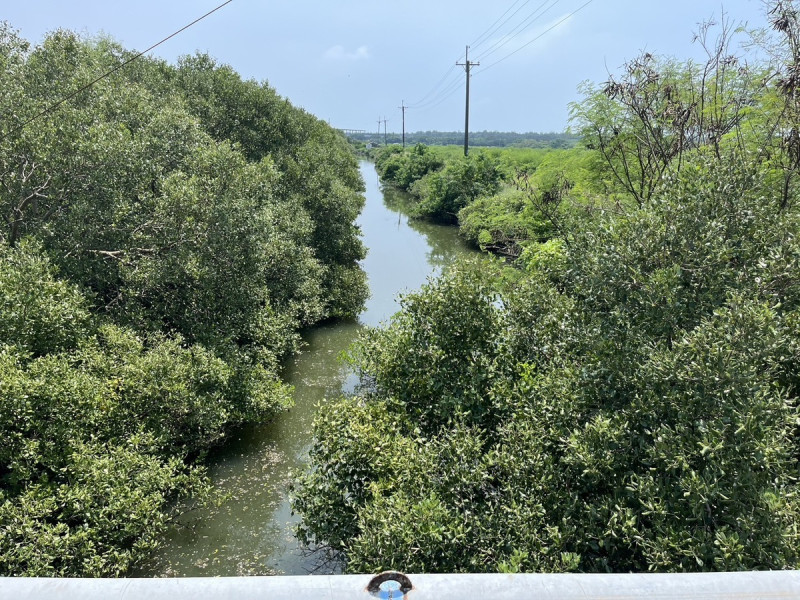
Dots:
(467, 65)
(403, 107)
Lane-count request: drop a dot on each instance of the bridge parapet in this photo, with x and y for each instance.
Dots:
(697, 586)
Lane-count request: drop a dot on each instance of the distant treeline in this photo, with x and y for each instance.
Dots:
(477, 138)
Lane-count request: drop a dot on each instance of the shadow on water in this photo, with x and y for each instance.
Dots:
(250, 533)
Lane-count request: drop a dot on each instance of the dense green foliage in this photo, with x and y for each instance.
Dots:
(403, 168)
(626, 399)
(166, 234)
(528, 208)
(440, 187)
(503, 200)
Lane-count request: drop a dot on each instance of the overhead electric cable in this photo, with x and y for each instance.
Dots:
(491, 29)
(122, 65)
(520, 28)
(570, 15)
(449, 89)
(428, 103)
(441, 99)
(444, 93)
(435, 87)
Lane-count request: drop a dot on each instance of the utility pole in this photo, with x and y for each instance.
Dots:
(379, 129)
(467, 65)
(403, 107)
(384, 130)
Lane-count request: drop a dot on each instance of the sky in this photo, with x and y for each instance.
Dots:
(356, 62)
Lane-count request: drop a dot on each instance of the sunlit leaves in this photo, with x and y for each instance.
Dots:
(628, 406)
(165, 235)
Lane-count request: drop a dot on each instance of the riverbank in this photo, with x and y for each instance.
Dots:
(251, 532)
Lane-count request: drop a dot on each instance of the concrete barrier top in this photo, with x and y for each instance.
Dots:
(698, 586)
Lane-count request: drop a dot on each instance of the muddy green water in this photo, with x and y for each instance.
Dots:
(251, 532)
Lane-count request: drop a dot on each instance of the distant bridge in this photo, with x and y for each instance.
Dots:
(352, 131)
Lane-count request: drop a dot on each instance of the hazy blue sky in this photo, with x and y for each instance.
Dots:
(353, 62)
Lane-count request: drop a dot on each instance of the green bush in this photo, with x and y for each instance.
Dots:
(103, 511)
(441, 194)
(403, 168)
(39, 312)
(166, 235)
(632, 410)
(504, 222)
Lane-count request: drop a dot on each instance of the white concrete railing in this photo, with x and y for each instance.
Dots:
(698, 586)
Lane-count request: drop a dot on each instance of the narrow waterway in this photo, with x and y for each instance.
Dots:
(250, 533)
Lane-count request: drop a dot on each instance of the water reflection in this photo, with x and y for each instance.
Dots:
(446, 246)
(403, 252)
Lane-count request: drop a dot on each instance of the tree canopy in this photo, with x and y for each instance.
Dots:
(165, 235)
(624, 398)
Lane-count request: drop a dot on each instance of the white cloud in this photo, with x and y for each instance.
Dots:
(339, 53)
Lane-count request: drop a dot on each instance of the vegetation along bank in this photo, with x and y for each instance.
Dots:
(625, 397)
(165, 236)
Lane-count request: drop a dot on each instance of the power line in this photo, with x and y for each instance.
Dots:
(491, 29)
(435, 87)
(443, 99)
(448, 92)
(570, 15)
(433, 98)
(122, 65)
(428, 102)
(439, 100)
(520, 28)
(452, 87)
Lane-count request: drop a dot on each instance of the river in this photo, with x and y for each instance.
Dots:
(250, 533)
